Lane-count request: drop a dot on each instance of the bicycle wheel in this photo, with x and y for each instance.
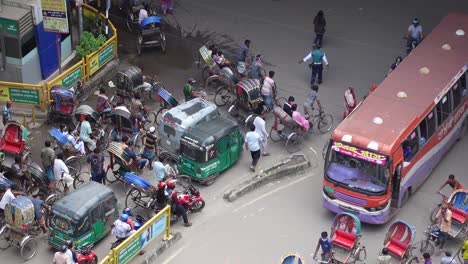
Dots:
(213, 82)
(83, 93)
(275, 133)
(133, 195)
(153, 93)
(294, 142)
(29, 248)
(4, 238)
(222, 96)
(79, 179)
(361, 255)
(159, 115)
(206, 72)
(426, 246)
(325, 123)
(434, 213)
(74, 165)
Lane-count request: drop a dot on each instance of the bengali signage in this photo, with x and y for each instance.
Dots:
(19, 95)
(100, 59)
(54, 14)
(71, 78)
(362, 154)
(8, 26)
(131, 249)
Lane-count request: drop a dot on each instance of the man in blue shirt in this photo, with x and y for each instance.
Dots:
(6, 112)
(159, 170)
(256, 71)
(325, 243)
(318, 57)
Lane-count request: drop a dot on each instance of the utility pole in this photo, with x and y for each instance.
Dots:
(79, 3)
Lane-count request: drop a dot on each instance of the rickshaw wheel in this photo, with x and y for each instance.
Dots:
(198, 206)
(222, 96)
(4, 238)
(137, 144)
(184, 181)
(139, 43)
(51, 199)
(153, 93)
(249, 121)
(163, 43)
(130, 22)
(294, 143)
(213, 82)
(325, 123)
(151, 120)
(205, 73)
(29, 248)
(50, 117)
(74, 165)
(27, 159)
(79, 179)
(159, 115)
(132, 195)
(434, 213)
(361, 256)
(111, 177)
(275, 135)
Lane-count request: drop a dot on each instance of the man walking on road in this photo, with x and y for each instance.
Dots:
(96, 166)
(444, 219)
(448, 258)
(269, 90)
(318, 58)
(252, 144)
(259, 123)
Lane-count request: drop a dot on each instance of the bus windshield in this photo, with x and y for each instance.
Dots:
(357, 169)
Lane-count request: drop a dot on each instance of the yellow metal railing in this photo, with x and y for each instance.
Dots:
(68, 78)
(23, 93)
(153, 228)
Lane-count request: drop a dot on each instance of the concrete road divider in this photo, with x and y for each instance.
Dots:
(294, 165)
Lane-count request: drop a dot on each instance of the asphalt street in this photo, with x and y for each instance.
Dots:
(362, 40)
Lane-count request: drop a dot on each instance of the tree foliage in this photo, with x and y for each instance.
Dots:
(89, 43)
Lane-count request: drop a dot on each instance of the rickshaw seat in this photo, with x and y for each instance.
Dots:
(149, 32)
(11, 141)
(396, 247)
(344, 239)
(459, 215)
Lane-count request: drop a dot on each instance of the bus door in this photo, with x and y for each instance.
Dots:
(396, 180)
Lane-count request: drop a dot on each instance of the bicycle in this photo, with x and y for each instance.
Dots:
(427, 245)
(324, 121)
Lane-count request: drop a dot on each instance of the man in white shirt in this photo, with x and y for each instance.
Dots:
(142, 15)
(269, 90)
(415, 33)
(61, 172)
(259, 123)
(7, 197)
(252, 144)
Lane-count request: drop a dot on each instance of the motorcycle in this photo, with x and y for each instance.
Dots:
(86, 255)
(191, 200)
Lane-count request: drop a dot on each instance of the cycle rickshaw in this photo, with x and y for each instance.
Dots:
(226, 92)
(151, 34)
(14, 143)
(125, 124)
(345, 235)
(133, 8)
(131, 81)
(398, 241)
(98, 128)
(210, 69)
(62, 105)
(125, 163)
(248, 103)
(286, 129)
(20, 228)
(458, 204)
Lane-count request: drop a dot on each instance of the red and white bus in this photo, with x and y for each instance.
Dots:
(386, 148)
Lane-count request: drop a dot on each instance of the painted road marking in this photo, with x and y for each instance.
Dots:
(173, 256)
(270, 193)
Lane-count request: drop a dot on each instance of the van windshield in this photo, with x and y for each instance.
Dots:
(73, 228)
(357, 169)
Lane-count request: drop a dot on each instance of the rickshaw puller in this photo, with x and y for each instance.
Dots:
(102, 105)
(86, 134)
(142, 162)
(38, 216)
(188, 90)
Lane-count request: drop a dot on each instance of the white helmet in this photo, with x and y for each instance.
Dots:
(152, 129)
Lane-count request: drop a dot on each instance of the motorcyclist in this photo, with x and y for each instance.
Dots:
(120, 229)
(71, 253)
(129, 212)
(415, 33)
(180, 209)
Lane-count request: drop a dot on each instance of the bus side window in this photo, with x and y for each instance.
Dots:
(431, 125)
(423, 132)
(443, 108)
(456, 94)
(411, 146)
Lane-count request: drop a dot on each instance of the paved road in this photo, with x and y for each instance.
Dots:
(361, 42)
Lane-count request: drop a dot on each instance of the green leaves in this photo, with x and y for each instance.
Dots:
(89, 43)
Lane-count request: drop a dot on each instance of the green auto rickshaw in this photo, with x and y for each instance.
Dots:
(209, 148)
(84, 216)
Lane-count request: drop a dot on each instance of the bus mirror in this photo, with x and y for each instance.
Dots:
(324, 150)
